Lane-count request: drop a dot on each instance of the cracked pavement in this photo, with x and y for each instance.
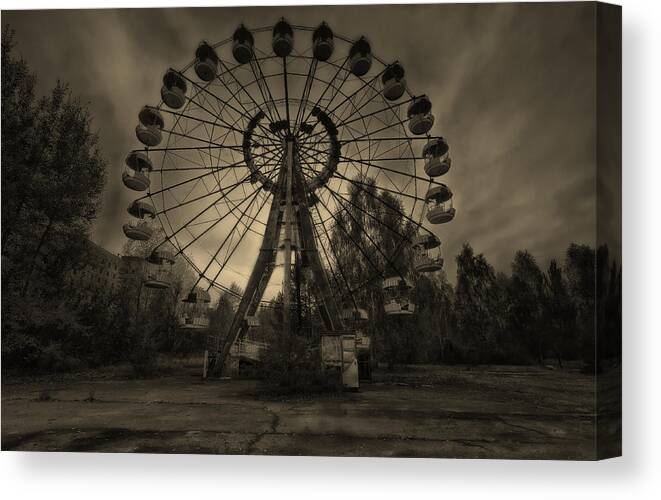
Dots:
(520, 413)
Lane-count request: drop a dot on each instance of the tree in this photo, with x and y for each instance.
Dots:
(608, 306)
(156, 325)
(371, 238)
(613, 316)
(506, 350)
(19, 115)
(434, 318)
(525, 299)
(52, 177)
(580, 269)
(559, 315)
(476, 299)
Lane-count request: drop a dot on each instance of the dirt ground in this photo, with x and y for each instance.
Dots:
(488, 412)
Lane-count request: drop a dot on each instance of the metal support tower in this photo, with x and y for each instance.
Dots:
(290, 206)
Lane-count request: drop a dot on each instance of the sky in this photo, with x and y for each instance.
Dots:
(512, 86)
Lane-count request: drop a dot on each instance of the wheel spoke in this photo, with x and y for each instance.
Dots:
(231, 253)
(309, 80)
(329, 84)
(211, 171)
(252, 199)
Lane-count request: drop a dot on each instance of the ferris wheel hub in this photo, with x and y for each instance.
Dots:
(285, 133)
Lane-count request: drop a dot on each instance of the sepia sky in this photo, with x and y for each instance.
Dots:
(512, 88)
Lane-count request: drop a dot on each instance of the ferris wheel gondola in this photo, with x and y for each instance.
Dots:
(136, 174)
(394, 83)
(360, 57)
(423, 260)
(437, 157)
(149, 130)
(142, 229)
(194, 311)
(173, 92)
(322, 42)
(439, 201)
(243, 42)
(206, 63)
(398, 296)
(283, 39)
(421, 119)
(159, 267)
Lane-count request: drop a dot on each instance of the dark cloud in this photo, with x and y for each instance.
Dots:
(512, 87)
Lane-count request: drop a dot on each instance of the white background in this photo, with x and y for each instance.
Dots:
(636, 475)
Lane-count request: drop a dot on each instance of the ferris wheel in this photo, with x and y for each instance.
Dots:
(251, 156)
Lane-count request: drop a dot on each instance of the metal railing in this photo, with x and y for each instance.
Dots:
(250, 349)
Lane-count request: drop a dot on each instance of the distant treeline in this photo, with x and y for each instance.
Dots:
(525, 317)
(569, 311)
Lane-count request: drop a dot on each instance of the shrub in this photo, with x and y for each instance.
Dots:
(290, 365)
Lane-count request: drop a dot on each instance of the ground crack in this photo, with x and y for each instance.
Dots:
(275, 422)
(525, 428)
